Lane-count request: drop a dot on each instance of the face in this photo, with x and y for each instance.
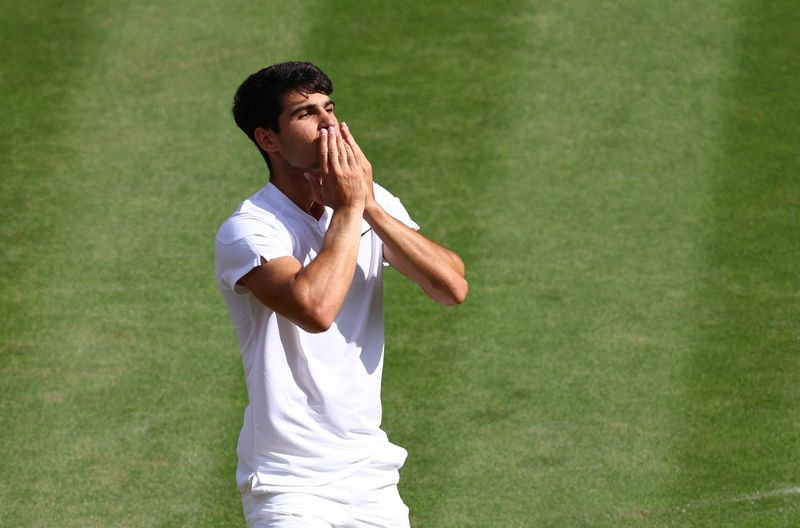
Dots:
(302, 118)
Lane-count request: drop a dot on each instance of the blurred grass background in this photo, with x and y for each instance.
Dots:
(619, 176)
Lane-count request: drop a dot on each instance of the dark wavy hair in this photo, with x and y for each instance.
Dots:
(258, 101)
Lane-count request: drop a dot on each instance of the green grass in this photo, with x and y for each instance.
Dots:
(620, 177)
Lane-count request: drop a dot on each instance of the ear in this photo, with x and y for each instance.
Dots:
(267, 139)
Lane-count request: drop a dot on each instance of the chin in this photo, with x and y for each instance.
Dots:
(312, 167)
(305, 166)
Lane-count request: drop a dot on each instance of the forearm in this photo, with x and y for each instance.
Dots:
(436, 269)
(321, 287)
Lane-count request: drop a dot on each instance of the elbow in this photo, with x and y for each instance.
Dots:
(316, 320)
(316, 324)
(313, 313)
(454, 293)
(460, 292)
(314, 327)
(459, 287)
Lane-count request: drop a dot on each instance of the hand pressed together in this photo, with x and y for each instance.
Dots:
(363, 162)
(340, 181)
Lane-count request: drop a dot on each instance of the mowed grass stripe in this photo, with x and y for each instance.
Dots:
(743, 421)
(594, 242)
(38, 209)
(635, 222)
(36, 79)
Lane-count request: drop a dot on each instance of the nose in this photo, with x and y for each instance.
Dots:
(328, 121)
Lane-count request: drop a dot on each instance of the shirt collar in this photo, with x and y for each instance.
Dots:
(271, 194)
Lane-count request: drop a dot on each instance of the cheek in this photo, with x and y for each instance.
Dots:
(306, 137)
(302, 149)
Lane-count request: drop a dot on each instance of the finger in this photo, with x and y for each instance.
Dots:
(352, 158)
(357, 152)
(348, 136)
(324, 151)
(362, 161)
(344, 160)
(333, 151)
(345, 131)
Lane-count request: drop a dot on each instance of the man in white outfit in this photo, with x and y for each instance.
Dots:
(299, 265)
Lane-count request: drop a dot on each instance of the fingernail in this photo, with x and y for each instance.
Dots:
(324, 131)
(344, 125)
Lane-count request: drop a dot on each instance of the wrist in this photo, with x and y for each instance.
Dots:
(351, 209)
(372, 209)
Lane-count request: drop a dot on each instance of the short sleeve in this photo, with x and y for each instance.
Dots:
(392, 205)
(240, 244)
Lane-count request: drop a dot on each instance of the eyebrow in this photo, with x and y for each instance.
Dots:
(310, 106)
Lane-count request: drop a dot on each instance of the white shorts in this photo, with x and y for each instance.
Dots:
(369, 498)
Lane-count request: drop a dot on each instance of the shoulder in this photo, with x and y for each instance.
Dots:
(254, 217)
(243, 224)
(392, 205)
(382, 195)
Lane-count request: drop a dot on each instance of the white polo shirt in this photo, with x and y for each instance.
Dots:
(314, 410)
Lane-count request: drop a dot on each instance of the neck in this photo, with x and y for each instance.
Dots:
(291, 182)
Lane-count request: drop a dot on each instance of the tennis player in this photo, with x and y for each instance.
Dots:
(299, 265)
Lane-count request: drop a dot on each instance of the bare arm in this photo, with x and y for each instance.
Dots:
(311, 296)
(437, 270)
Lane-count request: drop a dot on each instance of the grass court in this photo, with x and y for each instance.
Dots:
(620, 176)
